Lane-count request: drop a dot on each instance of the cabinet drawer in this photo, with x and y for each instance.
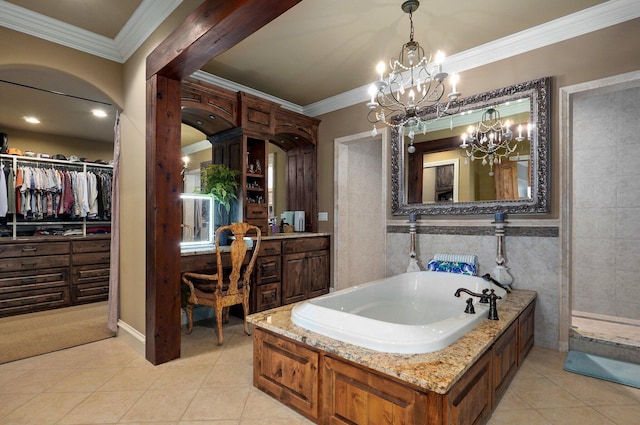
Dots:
(305, 244)
(91, 258)
(267, 296)
(99, 245)
(256, 211)
(270, 248)
(33, 249)
(90, 273)
(34, 263)
(268, 269)
(25, 292)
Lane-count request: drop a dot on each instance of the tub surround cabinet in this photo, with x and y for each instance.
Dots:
(331, 382)
(47, 273)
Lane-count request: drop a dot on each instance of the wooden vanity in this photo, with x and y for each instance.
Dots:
(331, 382)
(290, 267)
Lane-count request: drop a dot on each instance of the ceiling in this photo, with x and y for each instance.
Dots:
(318, 50)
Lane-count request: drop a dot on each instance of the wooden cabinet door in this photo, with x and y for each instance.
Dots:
(294, 273)
(525, 332)
(469, 400)
(352, 395)
(318, 269)
(505, 361)
(287, 371)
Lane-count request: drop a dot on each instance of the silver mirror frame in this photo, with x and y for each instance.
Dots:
(539, 93)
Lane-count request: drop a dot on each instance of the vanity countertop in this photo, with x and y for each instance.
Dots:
(293, 235)
(436, 371)
(278, 236)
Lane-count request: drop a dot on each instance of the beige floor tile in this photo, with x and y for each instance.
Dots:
(574, 416)
(34, 380)
(132, 378)
(159, 405)
(261, 406)
(102, 408)
(44, 409)
(592, 391)
(546, 394)
(510, 401)
(10, 402)
(83, 380)
(223, 422)
(181, 377)
(517, 417)
(230, 374)
(620, 415)
(216, 404)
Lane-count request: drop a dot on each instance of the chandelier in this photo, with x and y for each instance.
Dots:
(490, 140)
(414, 83)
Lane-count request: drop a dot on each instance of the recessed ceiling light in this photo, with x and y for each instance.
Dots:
(32, 120)
(99, 113)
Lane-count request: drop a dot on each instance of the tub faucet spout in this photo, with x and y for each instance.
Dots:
(485, 296)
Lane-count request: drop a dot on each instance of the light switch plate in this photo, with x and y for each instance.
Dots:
(323, 216)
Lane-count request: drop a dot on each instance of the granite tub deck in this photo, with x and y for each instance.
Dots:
(436, 371)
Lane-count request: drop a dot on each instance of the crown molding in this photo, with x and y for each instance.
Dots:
(25, 21)
(143, 22)
(601, 16)
(149, 15)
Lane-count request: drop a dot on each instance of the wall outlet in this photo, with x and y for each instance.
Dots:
(323, 216)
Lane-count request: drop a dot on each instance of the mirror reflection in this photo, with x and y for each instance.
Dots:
(472, 157)
(491, 156)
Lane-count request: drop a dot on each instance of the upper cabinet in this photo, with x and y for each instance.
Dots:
(240, 127)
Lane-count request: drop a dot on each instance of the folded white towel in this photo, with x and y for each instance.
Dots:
(457, 258)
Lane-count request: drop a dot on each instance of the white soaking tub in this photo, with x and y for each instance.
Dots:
(408, 313)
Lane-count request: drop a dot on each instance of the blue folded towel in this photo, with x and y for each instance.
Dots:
(453, 267)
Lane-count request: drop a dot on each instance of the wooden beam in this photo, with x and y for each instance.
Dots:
(210, 30)
(164, 185)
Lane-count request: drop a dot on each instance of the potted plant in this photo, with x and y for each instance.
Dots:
(221, 182)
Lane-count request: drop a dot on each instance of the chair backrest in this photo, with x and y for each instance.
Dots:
(238, 253)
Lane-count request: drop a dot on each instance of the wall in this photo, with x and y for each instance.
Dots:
(18, 50)
(533, 248)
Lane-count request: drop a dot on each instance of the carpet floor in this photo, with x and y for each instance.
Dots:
(29, 335)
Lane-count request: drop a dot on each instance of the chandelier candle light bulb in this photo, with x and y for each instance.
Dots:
(412, 69)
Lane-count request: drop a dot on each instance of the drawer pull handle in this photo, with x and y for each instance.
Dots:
(270, 249)
(28, 264)
(29, 249)
(106, 257)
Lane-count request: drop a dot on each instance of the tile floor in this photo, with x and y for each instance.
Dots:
(106, 382)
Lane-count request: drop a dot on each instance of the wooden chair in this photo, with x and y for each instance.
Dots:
(219, 291)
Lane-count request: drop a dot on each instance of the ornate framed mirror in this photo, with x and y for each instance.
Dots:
(514, 180)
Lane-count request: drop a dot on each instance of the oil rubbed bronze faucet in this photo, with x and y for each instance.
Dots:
(487, 296)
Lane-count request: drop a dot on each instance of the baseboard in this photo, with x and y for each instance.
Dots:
(132, 337)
